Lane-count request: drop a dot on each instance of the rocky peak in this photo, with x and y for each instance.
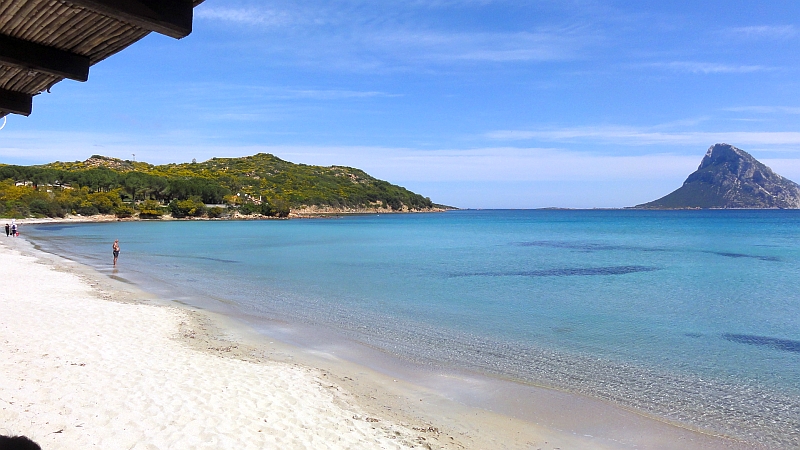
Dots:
(729, 177)
(721, 154)
(110, 163)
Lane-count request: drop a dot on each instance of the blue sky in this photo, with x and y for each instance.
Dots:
(474, 103)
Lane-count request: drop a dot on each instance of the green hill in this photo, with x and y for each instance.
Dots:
(259, 184)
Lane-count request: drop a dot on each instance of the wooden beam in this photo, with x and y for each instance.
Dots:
(41, 58)
(169, 17)
(16, 102)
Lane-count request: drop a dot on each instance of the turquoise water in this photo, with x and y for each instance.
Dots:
(689, 315)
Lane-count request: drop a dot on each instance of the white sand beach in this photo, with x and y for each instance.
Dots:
(81, 372)
(86, 365)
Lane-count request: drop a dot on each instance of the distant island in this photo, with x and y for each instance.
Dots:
(261, 185)
(729, 178)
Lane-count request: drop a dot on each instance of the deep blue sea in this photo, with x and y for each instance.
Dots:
(689, 315)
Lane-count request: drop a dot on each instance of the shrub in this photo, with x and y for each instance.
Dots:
(123, 211)
(395, 204)
(86, 208)
(105, 202)
(249, 209)
(232, 200)
(215, 212)
(187, 208)
(150, 209)
(17, 211)
(47, 208)
(280, 208)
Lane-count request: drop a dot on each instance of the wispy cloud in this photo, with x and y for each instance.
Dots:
(333, 94)
(766, 109)
(246, 16)
(709, 68)
(541, 45)
(766, 31)
(639, 136)
(450, 3)
(376, 37)
(290, 91)
(524, 164)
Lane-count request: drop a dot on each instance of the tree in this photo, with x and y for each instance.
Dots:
(123, 211)
(249, 209)
(150, 209)
(135, 182)
(192, 207)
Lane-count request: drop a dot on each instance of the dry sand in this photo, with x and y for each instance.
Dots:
(87, 362)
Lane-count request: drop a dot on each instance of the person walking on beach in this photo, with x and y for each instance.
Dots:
(14, 229)
(116, 250)
(8, 230)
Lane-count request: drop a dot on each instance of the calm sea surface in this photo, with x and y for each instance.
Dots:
(690, 315)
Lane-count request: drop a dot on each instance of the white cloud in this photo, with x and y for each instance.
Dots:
(371, 38)
(766, 109)
(786, 167)
(640, 136)
(767, 31)
(526, 164)
(245, 16)
(228, 90)
(540, 45)
(450, 3)
(333, 94)
(709, 68)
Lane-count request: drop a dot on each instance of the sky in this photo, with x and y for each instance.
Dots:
(473, 103)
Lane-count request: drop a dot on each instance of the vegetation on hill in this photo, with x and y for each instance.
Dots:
(260, 184)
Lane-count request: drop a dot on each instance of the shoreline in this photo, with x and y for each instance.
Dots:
(420, 413)
(304, 213)
(321, 213)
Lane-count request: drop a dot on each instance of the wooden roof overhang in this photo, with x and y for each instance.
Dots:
(44, 41)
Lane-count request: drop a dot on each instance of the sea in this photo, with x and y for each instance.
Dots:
(689, 316)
